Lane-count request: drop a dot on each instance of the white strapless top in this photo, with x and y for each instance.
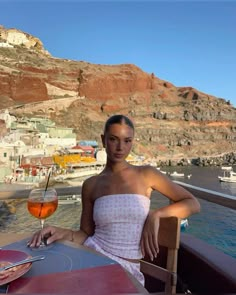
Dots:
(119, 221)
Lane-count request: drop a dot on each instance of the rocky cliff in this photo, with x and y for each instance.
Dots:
(170, 121)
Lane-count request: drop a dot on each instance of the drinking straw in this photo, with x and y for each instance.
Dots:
(46, 187)
(47, 183)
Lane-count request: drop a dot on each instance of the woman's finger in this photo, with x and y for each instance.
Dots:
(155, 242)
(152, 245)
(34, 240)
(148, 246)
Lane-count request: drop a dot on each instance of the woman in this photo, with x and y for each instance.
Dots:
(116, 219)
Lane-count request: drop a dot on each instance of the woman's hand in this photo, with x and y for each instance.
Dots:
(49, 235)
(149, 239)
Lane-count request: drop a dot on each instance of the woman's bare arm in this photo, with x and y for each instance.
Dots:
(86, 222)
(183, 204)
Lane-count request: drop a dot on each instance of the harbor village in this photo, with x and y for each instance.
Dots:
(31, 146)
(34, 145)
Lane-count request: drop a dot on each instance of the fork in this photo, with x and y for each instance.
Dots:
(31, 259)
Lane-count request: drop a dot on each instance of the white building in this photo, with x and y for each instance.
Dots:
(5, 116)
(10, 153)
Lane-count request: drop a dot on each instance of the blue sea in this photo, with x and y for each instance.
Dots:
(215, 224)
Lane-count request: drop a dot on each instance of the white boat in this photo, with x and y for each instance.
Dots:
(229, 176)
(227, 168)
(159, 169)
(75, 183)
(176, 174)
(184, 223)
(66, 200)
(164, 172)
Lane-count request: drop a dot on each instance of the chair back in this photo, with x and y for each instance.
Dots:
(164, 267)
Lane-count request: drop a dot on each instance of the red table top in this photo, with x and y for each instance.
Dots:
(70, 268)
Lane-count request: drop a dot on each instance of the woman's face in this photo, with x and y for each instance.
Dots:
(118, 141)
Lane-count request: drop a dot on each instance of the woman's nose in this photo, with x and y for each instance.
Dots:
(119, 145)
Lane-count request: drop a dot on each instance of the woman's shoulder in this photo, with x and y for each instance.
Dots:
(89, 181)
(148, 171)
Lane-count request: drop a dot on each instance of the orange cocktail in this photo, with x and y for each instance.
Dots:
(42, 208)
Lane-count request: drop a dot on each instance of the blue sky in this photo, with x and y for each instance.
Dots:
(188, 43)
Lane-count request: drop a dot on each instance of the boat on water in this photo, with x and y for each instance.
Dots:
(229, 176)
(75, 182)
(227, 168)
(162, 171)
(184, 223)
(67, 200)
(176, 174)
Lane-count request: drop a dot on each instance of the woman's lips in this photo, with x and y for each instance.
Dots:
(118, 155)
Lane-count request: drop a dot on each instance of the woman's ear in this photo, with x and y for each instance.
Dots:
(103, 140)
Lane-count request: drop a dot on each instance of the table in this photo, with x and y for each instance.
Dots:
(70, 268)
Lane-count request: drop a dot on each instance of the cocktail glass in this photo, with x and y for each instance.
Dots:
(42, 204)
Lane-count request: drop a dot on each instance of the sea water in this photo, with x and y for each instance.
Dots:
(215, 224)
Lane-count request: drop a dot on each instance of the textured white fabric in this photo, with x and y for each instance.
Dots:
(133, 268)
(119, 221)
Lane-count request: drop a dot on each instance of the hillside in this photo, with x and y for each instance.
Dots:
(170, 121)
